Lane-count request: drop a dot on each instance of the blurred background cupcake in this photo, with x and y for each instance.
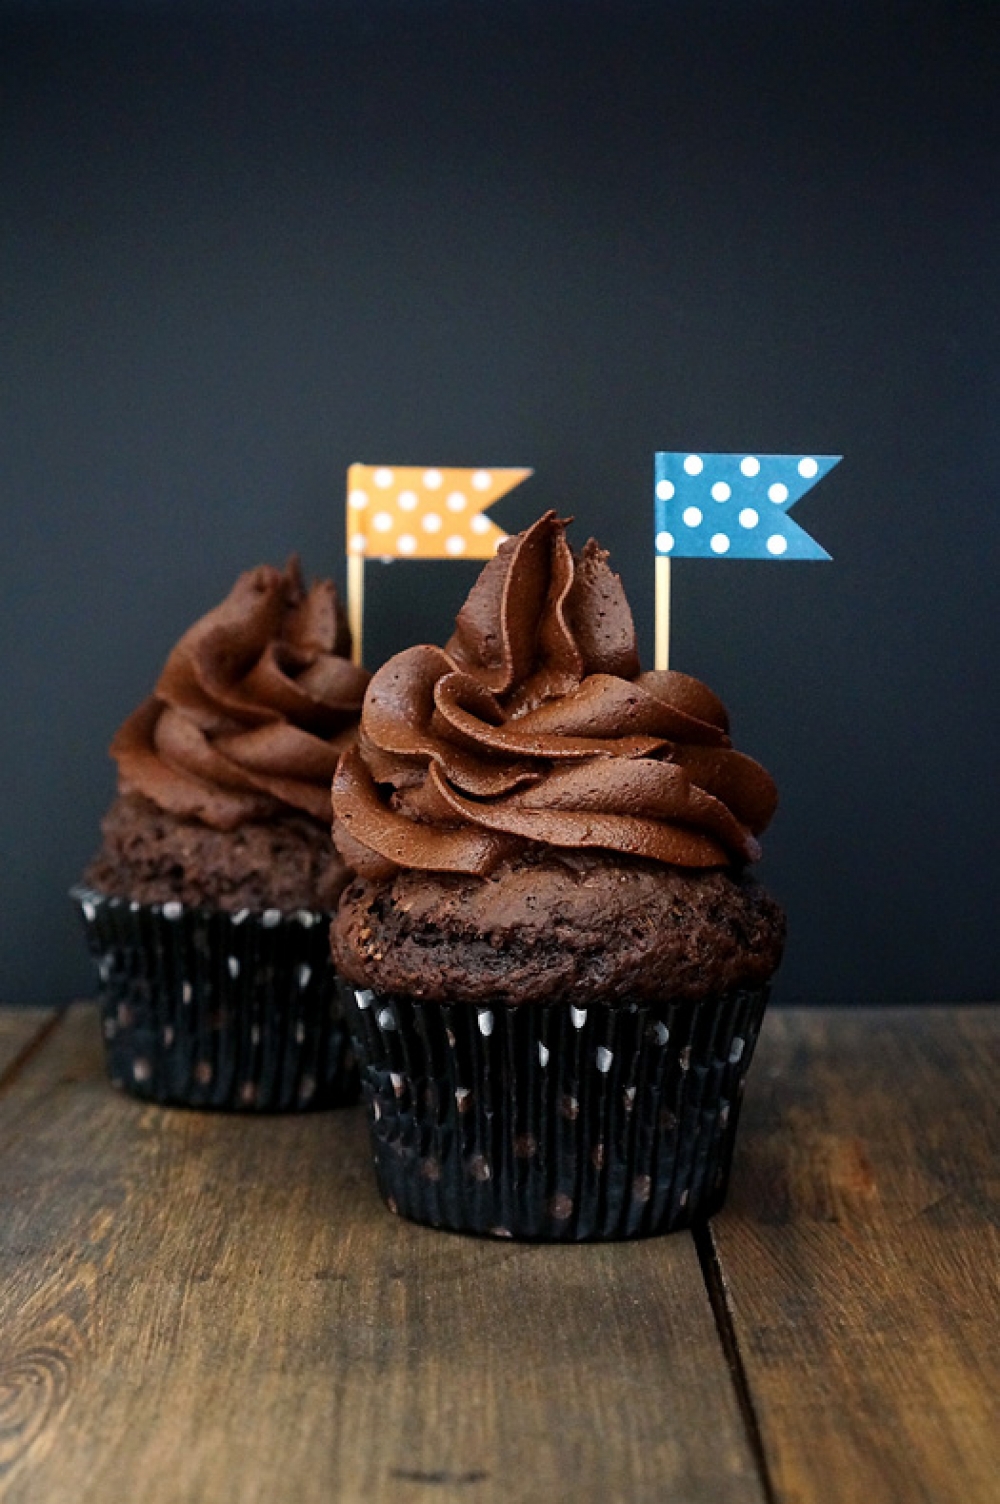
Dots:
(207, 906)
(558, 960)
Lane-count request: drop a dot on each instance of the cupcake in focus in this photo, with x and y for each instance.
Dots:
(558, 961)
(207, 905)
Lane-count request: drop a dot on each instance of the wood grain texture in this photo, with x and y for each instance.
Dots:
(207, 1308)
(860, 1253)
(19, 1029)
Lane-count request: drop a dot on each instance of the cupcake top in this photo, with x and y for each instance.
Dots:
(252, 710)
(534, 728)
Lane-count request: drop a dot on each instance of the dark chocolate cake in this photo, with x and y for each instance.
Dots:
(557, 927)
(154, 856)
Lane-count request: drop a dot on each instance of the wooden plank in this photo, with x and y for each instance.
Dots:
(200, 1307)
(19, 1029)
(860, 1252)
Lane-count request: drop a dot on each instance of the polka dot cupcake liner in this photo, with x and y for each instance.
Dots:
(203, 1008)
(554, 1123)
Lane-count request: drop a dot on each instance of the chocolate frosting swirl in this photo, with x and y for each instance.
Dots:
(253, 708)
(535, 726)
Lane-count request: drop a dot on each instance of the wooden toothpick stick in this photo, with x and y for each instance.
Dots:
(356, 602)
(661, 650)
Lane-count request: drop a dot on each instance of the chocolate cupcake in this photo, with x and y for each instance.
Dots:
(207, 906)
(558, 961)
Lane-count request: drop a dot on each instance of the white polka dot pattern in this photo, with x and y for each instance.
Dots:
(421, 512)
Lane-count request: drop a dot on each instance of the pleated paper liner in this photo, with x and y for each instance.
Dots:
(204, 1008)
(554, 1122)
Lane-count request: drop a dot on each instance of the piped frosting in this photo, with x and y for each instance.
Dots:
(535, 726)
(253, 708)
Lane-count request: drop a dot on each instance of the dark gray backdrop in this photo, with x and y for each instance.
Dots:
(242, 246)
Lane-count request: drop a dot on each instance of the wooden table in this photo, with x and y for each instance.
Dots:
(208, 1308)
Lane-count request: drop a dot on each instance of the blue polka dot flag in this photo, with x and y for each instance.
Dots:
(735, 506)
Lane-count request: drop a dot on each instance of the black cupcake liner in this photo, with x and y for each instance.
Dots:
(204, 1008)
(554, 1122)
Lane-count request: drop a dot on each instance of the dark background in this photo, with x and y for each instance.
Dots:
(242, 246)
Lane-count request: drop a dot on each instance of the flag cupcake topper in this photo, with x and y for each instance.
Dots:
(735, 506)
(419, 512)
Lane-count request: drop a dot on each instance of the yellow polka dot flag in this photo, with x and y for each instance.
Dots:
(424, 512)
(419, 512)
